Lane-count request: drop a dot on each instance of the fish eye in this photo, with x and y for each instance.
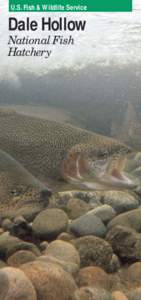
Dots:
(103, 154)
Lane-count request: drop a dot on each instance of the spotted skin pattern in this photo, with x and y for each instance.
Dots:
(48, 149)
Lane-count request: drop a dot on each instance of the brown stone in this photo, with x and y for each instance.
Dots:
(68, 266)
(76, 208)
(50, 223)
(92, 293)
(93, 276)
(50, 281)
(117, 295)
(135, 294)
(14, 284)
(64, 251)
(93, 251)
(66, 237)
(134, 273)
(21, 257)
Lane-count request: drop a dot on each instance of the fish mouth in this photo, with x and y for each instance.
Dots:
(100, 174)
(117, 179)
(113, 174)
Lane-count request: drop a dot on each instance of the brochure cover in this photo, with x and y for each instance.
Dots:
(70, 150)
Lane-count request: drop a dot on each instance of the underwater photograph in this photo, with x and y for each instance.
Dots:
(70, 152)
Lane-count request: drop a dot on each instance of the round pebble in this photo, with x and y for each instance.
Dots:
(50, 281)
(50, 223)
(88, 224)
(21, 257)
(93, 276)
(93, 251)
(15, 285)
(117, 295)
(64, 251)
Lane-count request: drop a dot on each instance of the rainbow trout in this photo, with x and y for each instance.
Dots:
(57, 151)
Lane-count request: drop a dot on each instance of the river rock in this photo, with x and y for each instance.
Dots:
(92, 293)
(131, 219)
(64, 251)
(50, 223)
(65, 236)
(91, 197)
(21, 228)
(43, 246)
(117, 282)
(14, 284)
(105, 212)
(93, 276)
(88, 224)
(7, 224)
(20, 220)
(61, 199)
(9, 245)
(134, 273)
(21, 257)
(68, 266)
(126, 243)
(76, 208)
(120, 201)
(50, 281)
(118, 295)
(114, 264)
(93, 251)
(135, 294)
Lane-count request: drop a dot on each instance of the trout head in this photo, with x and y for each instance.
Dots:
(98, 166)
